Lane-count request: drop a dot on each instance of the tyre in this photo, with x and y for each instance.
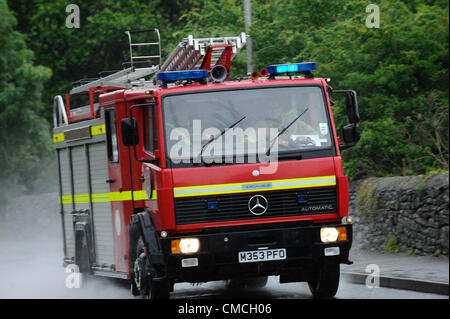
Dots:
(134, 237)
(323, 280)
(145, 281)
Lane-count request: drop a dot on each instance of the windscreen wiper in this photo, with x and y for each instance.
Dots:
(284, 130)
(216, 137)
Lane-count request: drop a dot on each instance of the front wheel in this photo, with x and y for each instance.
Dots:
(145, 282)
(323, 280)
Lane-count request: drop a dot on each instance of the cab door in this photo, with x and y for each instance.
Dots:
(120, 190)
(151, 172)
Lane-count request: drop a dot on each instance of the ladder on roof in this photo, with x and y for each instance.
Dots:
(122, 79)
(127, 78)
(146, 57)
(204, 53)
(190, 54)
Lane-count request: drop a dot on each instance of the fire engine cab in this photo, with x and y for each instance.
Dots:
(174, 173)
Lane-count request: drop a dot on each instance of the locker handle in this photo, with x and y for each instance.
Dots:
(110, 181)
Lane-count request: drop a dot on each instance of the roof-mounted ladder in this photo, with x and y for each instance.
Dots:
(121, 79)
(126, 77)
(190, 54)
(144, 58)
(203, 53)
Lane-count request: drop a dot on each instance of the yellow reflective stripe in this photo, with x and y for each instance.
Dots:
(107, 197)
(58, 137)
(81, 198)
(101, 198)
(140, 195)
(97, 130)
(120, 196)
(65, 199)
(260, 182)
(282, 184)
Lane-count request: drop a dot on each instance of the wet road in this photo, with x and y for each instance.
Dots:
(34, 270)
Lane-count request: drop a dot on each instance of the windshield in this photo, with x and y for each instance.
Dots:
(246, 125)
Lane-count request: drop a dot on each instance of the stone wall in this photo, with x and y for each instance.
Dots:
(404, 213)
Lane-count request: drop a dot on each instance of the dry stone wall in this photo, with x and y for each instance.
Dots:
(404, 213)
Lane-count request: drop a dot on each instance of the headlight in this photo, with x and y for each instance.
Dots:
(332, 234)
(329, 234)
(185, 246)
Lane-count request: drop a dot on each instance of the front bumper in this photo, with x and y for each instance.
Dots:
(218, 255)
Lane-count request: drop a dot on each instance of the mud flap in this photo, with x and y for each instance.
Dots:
(84, 253)
(149, 235)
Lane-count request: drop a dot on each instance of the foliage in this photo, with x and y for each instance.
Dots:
(367, 198)
(437, 253)
(399, 70)
(24, 135)
(401, 74)
(392, 245)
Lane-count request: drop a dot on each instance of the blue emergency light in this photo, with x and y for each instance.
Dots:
(291, 68)
(182, 75)
(213, 205)
(303, 198)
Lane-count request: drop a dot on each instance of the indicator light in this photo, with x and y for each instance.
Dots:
(333, 234)
(185, 246)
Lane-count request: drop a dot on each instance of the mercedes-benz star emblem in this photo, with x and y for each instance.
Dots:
(258, 205)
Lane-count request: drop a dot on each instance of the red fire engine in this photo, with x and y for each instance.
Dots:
(174, 173)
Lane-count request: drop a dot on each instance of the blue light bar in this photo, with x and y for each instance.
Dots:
(182, 75)
(288, 68)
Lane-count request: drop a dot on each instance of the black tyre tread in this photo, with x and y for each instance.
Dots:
(324, 280)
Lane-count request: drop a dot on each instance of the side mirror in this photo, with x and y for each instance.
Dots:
(351, 133)
(351, 99)
(130, 133)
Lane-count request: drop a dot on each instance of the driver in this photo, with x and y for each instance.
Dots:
(280, 116)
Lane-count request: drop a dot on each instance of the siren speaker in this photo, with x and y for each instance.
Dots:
(264, 73)
(219, 73)
(254, 75)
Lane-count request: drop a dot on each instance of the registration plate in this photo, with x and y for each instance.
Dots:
(262, 255)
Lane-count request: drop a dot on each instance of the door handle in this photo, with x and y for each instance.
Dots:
(110, 181)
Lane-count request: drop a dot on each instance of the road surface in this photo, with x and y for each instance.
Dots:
(34, 270)
(31, 266)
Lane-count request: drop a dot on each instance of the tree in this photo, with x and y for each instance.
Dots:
(399, 70)
(24, 136)
(395, 69)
